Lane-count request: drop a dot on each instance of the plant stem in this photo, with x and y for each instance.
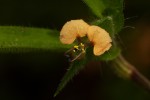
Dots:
(130, 72)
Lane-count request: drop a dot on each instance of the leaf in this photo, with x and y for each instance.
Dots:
(107, 24)
(23, 39)
(110, 14)
(111, 54)
(114, 16)
(74, 68)
(97, 6)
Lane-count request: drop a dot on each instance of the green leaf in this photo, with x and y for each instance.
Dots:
(23, 39)
(114, 12)
(110, 16)
(107, 23)
(74, 68)
(97, 6)
(111, 54)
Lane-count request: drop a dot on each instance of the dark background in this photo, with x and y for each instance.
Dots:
(32, 75)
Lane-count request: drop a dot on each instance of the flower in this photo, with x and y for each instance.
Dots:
(73, 29)
(100, 39)
(78, 29)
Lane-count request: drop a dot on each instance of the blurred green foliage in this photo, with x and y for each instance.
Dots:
(22, 39)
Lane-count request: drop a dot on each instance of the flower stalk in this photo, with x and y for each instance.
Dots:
(128, 71)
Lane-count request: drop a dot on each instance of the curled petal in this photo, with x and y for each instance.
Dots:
(100, 38)
(99, 50)
(67, 33)
(73, 29)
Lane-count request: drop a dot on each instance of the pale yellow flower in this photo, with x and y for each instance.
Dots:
(73, 29)
(96, 35)
(100, 39)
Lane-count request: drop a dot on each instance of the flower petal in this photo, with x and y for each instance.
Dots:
(80, 26)
(73, 29)
(100, 38)
(99, 50)
(67, 33)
